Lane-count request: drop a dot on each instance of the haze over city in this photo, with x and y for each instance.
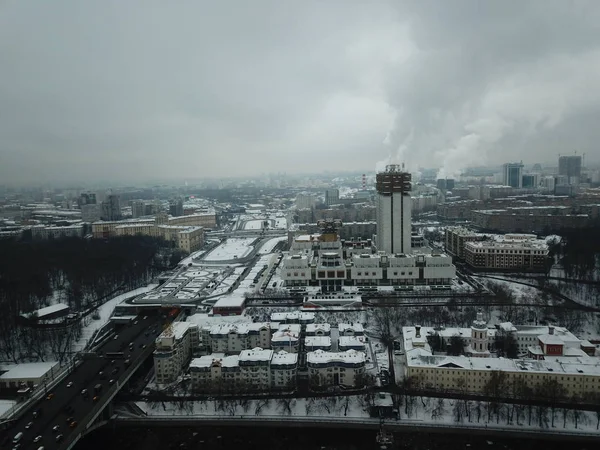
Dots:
(143, 90)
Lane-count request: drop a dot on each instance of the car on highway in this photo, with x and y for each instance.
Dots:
(69, 419)
(111, 381)
(37, 439)
(37, 413)
(73, 424)
(96, 398)
(29, 425)
(70, 384)
(84, 392)
(59, 438)
(55, 428)
(50, 396)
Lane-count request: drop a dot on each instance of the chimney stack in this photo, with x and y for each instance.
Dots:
(550, 329)
(418, 331)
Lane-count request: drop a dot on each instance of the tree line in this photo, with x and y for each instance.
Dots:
(82, 273)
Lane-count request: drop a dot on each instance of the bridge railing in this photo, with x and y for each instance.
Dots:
(105, 399)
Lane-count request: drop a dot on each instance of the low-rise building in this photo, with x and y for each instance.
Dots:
(351, 329)
(252, 370)
(174, 348)
(287, 337)
(313, 343)
(335, 368)
(318, 329)
(53, 232)
(351, 343)
(297, 317)
(230, 338)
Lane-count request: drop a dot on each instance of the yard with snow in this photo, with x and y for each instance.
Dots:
(231, 249)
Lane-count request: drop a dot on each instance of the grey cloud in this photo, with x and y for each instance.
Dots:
(144, 89)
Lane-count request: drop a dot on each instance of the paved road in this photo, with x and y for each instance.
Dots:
(86, 376)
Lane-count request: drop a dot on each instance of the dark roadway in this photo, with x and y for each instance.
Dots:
(86, 376)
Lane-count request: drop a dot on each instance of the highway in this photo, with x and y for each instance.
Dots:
(53, 411)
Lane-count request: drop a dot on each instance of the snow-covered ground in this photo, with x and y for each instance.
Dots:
(253, 225)
(270, 245)
(105, 311)
(230, 249)
(5, 405)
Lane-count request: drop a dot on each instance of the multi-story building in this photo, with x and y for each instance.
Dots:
(570, 167)
(111, 208)
(295, 317)
(512, 175)
(91, 212)
(332, 196)
(318, 329)
(351, 329)
(313, 343)
(335, 368)
(251, 370)
(351, 343)
(45, 232)
(287, 337)
(232, 338)
(509, 254)
(138, 208)
(394, 210)
(305, 201)
(577, 372)
(174, 348)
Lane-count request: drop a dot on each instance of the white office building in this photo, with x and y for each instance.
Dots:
(393, 210)
(335, 368)
(231, 338)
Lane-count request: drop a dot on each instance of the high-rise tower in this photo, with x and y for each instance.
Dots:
(393, 210)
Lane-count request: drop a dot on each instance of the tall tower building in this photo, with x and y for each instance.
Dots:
(512, 175)
(570, 167)
(393, 210)
(332, 196)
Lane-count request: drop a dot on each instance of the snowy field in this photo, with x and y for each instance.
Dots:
(231, 248)
(105, 312)
(270, 244)
(253, 225)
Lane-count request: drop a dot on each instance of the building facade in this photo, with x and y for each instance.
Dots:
(393, 210)
(335, 368)
(512, 175)
(173, 351)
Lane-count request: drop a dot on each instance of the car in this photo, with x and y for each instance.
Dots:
(136, 322)
(29, 425)
(59, 438)
(37, 413)
(144, 346)
(101, 375)
(55, 428)
(84, 392)
(69, 419)
(113, 362)
(50, 396)
(73, 424)
(37, 439)
(96, 398)
(116, 337)
(70, 384)
(111, 381)
(115, 370)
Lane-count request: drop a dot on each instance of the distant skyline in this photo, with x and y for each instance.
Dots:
(133, 91)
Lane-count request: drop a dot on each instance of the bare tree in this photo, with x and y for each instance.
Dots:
(386, 327)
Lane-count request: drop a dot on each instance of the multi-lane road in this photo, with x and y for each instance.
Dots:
(64, 406)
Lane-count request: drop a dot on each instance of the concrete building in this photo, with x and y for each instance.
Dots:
(335, 368)
(176, 207)
(233, 338)
(14, 376)
(497, 252)
(173, 350)
(286, 337)
(138, 208)
(305, 201)
(45, 232)
(393, 210)
(579, 374)
(91, 212)
(570, 167)
(252, 370)
(332, 196)
(512, 175)
(111, 208)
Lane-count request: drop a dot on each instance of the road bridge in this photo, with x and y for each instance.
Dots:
(63, 404)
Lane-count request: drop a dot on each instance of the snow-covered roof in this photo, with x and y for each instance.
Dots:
(284, 358)
(216, 358)
(351, 341)
(317, 341)
(293, 316)
(314, 327)
(349, 357)
(52, 309)
(357, 327)
(256, 354)
(26, 371)
(230, 301)
(239, 328)
(550, 339)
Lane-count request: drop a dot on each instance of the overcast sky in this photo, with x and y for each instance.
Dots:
(134, 90)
